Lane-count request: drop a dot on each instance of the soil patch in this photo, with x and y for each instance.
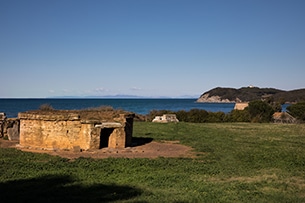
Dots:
(150, 149)
(8, 143)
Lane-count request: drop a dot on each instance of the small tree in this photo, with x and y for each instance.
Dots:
(260, 111)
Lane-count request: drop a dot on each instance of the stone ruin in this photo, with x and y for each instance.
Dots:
(9, 128)
(166, 118)
(73, 130)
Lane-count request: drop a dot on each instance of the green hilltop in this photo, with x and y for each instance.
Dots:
(246, 94)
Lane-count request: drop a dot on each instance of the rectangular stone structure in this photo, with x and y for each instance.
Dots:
(67, 131)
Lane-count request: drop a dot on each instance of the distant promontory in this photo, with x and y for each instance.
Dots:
(250, 93)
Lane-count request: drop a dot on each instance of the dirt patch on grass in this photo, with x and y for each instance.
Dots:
(7, 143)
(151, 149)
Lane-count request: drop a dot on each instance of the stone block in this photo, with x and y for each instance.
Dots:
(13, 133)
(2, 116)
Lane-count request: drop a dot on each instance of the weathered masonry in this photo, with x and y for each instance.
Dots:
(9, 128)
(69, 130)
(166, 118)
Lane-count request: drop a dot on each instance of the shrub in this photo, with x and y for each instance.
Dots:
(257, 111)
(238, 116)
(297, 110)
(46, 107)
(260, 111)
(277, 107)
(100, 108)
(216, 117)
(182, 115)
(197, 116)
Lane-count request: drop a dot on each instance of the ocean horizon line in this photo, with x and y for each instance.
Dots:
(102, 97)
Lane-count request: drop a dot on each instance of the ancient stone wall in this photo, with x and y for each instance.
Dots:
(52, 131)
(66, 130)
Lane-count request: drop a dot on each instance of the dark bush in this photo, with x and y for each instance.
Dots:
(260, 111)
(238, 116)
(194, 115)
(182, 115)
(297, 110)
(277, 107)
(257, 111)
(216, 117)
(197, 116)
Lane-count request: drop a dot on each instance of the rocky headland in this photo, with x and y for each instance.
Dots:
(247, 94)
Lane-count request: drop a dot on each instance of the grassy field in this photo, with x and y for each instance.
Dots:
(236, 162)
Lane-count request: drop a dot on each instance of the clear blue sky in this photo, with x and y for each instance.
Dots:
(149, 47)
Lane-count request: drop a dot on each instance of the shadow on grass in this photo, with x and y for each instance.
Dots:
(63, 189)
(139, 141)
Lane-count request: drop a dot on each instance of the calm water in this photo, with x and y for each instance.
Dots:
(140, 106)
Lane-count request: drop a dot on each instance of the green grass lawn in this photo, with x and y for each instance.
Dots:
(236, 162)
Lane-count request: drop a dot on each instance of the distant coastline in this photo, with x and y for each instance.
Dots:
(121, 96)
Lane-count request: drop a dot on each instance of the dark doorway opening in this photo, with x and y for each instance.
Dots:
(104, 137)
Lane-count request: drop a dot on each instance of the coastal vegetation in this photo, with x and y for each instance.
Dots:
(257, 112)
(235, 162)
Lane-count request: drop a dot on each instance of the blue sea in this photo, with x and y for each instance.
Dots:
(139, 106)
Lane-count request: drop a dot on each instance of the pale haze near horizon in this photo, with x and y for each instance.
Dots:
(149, 48)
